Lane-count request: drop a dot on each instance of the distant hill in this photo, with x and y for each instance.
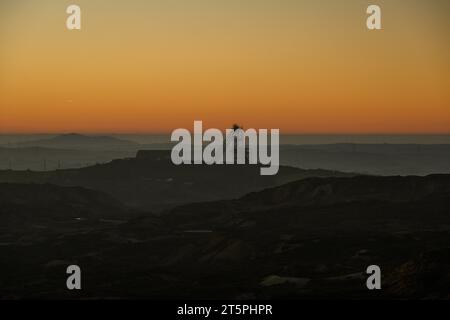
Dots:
(78, 141)
(75, 151)
(150, 181)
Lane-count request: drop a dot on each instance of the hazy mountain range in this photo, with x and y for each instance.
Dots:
(78, 141)
(76, 151)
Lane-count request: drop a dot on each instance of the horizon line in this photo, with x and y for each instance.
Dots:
(281, 133)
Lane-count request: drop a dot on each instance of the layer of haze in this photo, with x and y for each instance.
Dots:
(152, 66)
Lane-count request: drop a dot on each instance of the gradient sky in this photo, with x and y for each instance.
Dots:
(306, 66)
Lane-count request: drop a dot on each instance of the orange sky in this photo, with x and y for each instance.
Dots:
(153, 66)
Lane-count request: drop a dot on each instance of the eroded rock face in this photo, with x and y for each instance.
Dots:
(428, 276)
(328, 191)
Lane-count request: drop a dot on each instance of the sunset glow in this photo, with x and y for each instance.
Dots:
(152, 66)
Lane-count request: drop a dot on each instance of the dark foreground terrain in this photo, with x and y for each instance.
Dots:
(311, 238)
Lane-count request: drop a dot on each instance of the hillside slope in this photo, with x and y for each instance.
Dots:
(152, 182)
(312, 238)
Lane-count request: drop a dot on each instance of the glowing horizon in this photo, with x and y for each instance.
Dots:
(305, 67)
